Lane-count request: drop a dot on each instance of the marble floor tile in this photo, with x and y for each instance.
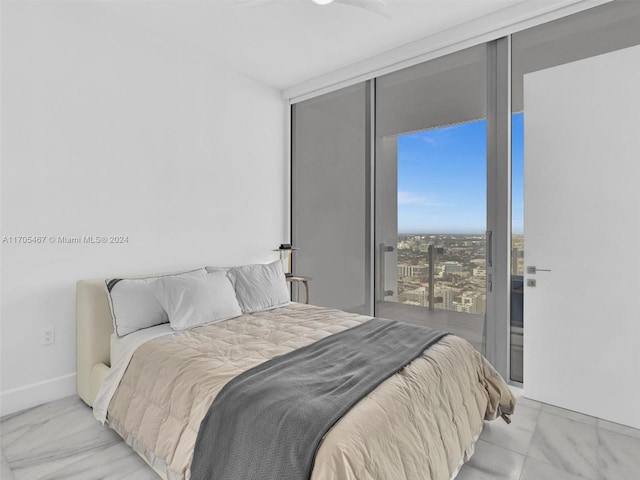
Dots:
(618, 474)
(469, 472)
(53, 437)
(570, 414)
(490, 462)
(569, 445)
(515, 436)
(62, 441)
(117, 462)
(616, 427)
(33, 428)
(619, 456)
(535, 470)
(527, 402)
(5, 471)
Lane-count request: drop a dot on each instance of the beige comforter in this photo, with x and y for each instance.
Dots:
(419, 424)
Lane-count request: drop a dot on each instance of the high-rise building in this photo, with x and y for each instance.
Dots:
(451, 267)
(472, 302)
(417, 296)
(412, 270)
(448, 295)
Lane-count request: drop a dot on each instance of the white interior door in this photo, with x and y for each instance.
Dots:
(582, 222)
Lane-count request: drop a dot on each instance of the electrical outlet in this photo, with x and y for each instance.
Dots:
(48, 335)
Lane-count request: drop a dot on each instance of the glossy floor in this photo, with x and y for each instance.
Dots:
(61, 440)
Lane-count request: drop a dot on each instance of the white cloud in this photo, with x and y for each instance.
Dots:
(418, 199)
(430, 140)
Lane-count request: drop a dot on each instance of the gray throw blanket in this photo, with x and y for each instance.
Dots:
(268, 422)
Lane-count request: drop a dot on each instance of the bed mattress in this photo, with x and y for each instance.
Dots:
(421, 423)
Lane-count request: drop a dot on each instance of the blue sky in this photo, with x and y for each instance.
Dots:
(442, 179)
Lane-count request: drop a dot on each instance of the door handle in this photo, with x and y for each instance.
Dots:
(533, 270)
(383, 292)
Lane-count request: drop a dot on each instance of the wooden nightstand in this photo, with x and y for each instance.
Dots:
(305, 282)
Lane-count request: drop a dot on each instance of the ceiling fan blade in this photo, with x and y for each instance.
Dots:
(376, 6)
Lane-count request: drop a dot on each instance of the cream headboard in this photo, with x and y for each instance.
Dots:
(94, 327)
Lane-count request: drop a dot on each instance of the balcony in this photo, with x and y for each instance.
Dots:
(469, 326)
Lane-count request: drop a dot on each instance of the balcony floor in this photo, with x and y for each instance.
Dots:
(469, 326)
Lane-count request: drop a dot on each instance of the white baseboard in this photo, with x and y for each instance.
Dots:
(35, 394)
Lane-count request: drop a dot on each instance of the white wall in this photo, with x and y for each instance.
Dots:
(109, 131)
(582, 221)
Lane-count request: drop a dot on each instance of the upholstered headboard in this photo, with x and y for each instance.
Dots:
(94, 327)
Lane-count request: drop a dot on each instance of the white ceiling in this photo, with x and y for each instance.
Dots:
(285, 42)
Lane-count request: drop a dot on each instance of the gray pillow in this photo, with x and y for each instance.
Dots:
(260, 287)
(194, 300)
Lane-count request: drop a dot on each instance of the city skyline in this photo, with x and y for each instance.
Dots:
(459, 274)
(442, 179)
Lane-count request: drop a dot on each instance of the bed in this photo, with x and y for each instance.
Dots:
(155, 386)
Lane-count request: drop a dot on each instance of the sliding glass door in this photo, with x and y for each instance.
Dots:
(400, 196)
(431, 156)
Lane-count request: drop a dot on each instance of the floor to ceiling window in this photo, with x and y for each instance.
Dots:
(413, 147)
(431, 156)
(396, 180)
(517, 247)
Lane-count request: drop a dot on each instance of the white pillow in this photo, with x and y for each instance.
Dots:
(194, 300)
(260, 287)
(133, 305)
